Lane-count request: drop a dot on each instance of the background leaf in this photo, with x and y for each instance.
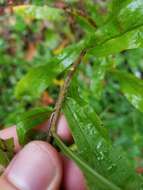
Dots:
(130, 40)
(38, 12)
(124, 24)
(6, 152)
(29, 120)
(37, 80)
(126, 17)
(93, 148)
(97, 178)
(132, 88)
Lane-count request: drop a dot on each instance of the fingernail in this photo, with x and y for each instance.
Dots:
(33, 168)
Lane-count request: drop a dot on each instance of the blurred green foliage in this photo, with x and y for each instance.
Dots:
(29, 42)
(20, 38)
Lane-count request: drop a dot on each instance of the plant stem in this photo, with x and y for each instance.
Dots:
(75, 12)
(80, 13)
(63, 92)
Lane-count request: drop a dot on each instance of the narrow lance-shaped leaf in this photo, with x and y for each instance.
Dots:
(122, 31)
(6, 152)
(69, 54)
(93, 148)
(40, 77)
(132, 88)
(127, 17)
(29, 120)
(37, 80)
(130, 40)
(85, 25)
(99, 70)
(127, 14)
(96, 177)
(4, 160)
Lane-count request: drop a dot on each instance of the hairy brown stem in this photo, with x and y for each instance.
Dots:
(63, 92)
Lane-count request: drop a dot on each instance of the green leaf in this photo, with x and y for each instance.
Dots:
(96, 177)
(37, 80)
(84, 24)
(40, 77)
(109, 161)
(4, 160)
(132, 88)
(124, 25)
(91, 116)
(127, 14)
(126, 17)
(29, 120)
(99, 70)
(38, 12)
(130, 40)
(7, 145)
(70, 53)
(6, 152)
(93, 10)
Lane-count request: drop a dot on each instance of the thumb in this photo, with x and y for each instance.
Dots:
(36, 167)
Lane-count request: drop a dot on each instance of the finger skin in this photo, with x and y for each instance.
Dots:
(72, 176)
(69, 167)
(36, 167)
(63, 130)
(5, 185)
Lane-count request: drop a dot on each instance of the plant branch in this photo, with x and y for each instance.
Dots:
(75, 12)
(63, 92)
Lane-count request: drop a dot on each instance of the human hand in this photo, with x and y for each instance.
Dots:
(38, 166)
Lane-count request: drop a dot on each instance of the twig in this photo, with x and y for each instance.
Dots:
(75, 12)
(63, 92)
